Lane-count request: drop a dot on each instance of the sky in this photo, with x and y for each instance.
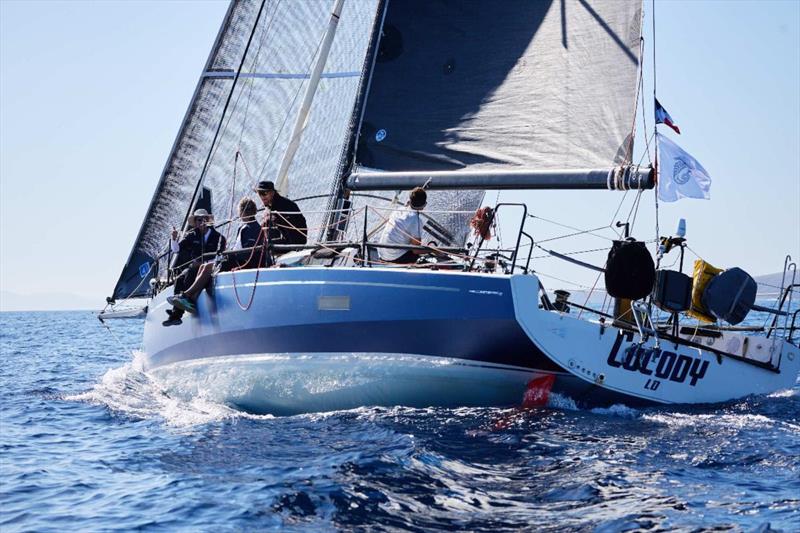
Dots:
(92, 95)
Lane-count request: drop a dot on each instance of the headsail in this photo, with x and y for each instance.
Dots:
(258, 121)
(493, 86)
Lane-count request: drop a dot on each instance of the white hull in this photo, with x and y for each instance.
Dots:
(136, 312)
(670, 374)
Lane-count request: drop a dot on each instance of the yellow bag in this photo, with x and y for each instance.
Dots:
(703, 273)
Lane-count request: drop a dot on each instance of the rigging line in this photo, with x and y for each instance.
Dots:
(639, 91)
(258, 272)
(548, 256)
(588, 231)
(499, 237)
(539, 273)
(589, 295)
(289, 110)
(224, 109)
(695, 253)
(647, 138)
(648, 141)
(614, 216)
(639, 197)
(497, 230)
(655, 125)
(231, 217)
(605, 299)
(578, 262)
(654, 50)
(658, 230)
(574, 228)
(233, 188)
(634, 211)
(251, 81)
(677, 258)
(114, 335)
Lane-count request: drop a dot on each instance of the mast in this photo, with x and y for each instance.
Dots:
(302, 116)
(340, 193)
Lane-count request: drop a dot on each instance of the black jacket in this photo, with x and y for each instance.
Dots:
(249, 234)
(289, 218)
(194, 246)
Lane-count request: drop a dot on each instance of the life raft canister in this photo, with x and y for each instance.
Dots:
(730, 295)
(672, 291)
(703, 274)
(630, 270)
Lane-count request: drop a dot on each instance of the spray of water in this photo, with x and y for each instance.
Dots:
(130, 391)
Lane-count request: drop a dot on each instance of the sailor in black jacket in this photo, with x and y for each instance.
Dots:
(190, 252)
(202, 239)
(287, 218)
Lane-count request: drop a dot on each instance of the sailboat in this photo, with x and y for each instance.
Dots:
(348, 105)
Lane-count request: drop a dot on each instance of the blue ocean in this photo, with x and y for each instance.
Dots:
(90, 443)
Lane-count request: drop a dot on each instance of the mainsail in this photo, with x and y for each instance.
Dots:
(494, 86)
(256, 126)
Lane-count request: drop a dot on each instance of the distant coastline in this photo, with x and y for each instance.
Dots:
(12, 301)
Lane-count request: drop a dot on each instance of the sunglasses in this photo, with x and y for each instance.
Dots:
(264, 193)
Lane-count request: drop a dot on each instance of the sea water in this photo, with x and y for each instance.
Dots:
(89, 442)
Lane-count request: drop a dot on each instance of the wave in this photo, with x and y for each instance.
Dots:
(130, 391)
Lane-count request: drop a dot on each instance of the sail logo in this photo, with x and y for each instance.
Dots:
(681, 172)
(657, 363)
(380, 135)
(144, 270)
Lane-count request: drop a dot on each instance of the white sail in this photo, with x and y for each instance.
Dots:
(257, 124)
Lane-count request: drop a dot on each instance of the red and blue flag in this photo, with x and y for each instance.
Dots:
(662, 117)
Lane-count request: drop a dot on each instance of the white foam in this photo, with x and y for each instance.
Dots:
(557, 401)
(786, 393)
(685, 420)
(130, 391)
(617, 409)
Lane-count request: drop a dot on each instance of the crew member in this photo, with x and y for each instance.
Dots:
(286, 223)
(248, 238)
(404, 227)
(190, 254)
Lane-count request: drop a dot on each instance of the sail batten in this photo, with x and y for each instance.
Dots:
(279, 75)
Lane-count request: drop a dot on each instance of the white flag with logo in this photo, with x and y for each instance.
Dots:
(679, 174)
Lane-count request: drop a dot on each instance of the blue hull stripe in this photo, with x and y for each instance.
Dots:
(485, 341)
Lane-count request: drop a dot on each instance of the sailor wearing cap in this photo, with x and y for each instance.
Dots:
(288, 223)
(199, 245)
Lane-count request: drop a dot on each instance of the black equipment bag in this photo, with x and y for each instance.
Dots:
(730, 295)
(672, 291)
(630, 271)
